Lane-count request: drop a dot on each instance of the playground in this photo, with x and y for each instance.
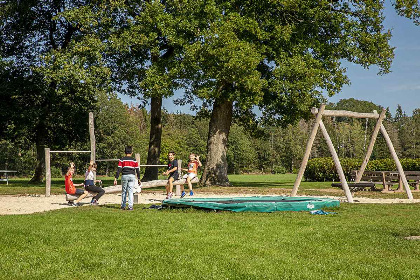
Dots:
(21, 198)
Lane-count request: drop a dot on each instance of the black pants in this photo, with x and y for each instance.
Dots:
(93, 188)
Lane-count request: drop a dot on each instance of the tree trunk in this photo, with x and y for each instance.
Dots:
(215, 172)
(40, 158)
(151, 173)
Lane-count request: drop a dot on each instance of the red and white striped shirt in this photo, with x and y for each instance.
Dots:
(127, 166)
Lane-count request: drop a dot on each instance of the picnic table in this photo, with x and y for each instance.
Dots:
(390, 178)
(6, 175)
(385, 178)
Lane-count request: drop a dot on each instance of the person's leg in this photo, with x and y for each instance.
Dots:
(91, 189)
(167, 189)
(124, 185)
(189, 183)
(182, 186)
(130, 189)
(189, 179)
(171, 186)
(85, 193)
(98, 190)
(101, 192)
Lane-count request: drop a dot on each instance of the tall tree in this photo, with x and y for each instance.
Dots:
(41, 108)
(234, 55)
(142, 41)
(279, 55)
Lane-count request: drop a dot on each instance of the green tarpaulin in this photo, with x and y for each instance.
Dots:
(255, 203)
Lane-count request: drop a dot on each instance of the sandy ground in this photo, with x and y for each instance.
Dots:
(28, 204)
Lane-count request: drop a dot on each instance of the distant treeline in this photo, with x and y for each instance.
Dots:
(263, 149)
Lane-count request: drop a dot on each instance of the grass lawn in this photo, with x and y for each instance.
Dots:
(362, 241)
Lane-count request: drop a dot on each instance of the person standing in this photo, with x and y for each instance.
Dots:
(127, 167)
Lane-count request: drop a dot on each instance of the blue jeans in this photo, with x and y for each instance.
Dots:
(127, 182)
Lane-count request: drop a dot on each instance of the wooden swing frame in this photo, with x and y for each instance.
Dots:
(319, 113)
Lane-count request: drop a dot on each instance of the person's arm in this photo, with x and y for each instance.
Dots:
(117, 174)
(138, 170)
(173, 169)
(170, 171)
(198, 160)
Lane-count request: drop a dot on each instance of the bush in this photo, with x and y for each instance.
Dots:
(56, 172)
(323, 169)
(279, 169)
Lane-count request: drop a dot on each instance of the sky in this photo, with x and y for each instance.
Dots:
(401, 86)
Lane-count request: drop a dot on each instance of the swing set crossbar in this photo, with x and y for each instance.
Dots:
(69, 151)
(348, 114)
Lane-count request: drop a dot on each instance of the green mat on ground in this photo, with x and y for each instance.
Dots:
(254, 204)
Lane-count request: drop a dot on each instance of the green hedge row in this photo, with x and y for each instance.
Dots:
(323, 169)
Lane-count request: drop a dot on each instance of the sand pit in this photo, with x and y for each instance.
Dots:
(28, 204)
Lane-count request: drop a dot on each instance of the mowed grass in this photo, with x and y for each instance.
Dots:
(362, 241)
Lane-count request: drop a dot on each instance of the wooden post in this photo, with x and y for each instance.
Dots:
(177, 187)
(400, 184)
(308, 150)
(386, 187)
(47, 172)
(92, 137)
(371, 144)
(397, 162)
(92, 142)
(336, 162)
(136, 195)
(138, 158)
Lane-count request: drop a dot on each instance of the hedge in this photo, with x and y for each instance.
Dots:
(323, 169)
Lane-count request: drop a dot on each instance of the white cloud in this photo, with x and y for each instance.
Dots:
(406, 87)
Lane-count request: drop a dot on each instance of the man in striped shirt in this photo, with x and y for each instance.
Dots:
(128, 167)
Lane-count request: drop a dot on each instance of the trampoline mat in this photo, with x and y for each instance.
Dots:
(254, 204)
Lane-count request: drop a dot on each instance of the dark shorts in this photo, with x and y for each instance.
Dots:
(79, 191)
(175, 176)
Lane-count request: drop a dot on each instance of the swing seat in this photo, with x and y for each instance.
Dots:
(354, 187)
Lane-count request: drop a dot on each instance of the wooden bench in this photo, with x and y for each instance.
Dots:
(390, 178)
(413, 179)
(385, 178)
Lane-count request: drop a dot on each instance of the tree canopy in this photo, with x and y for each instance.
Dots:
(233, 55)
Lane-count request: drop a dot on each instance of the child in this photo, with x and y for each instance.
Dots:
(173, 174)
(193, 165)
(90, 183)
(128, 167)
(70, 187)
